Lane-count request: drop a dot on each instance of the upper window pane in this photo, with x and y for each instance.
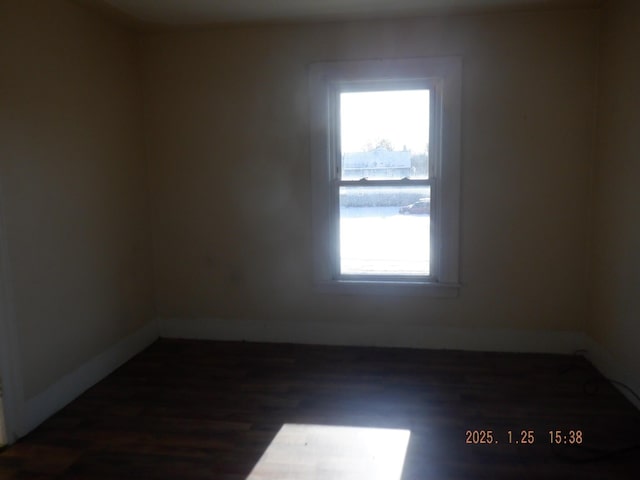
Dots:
(384, 134)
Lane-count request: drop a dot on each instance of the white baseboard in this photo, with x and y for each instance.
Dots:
(409, 336)
(614, 369)
(69, 387)
(376, 334)
(37, 409)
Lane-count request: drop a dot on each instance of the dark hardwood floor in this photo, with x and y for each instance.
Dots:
(209, 410)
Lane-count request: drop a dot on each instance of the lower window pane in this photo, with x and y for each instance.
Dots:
(384, 230)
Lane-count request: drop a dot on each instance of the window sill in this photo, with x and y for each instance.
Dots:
(396, 288)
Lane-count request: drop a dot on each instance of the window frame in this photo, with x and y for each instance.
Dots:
(442, 75)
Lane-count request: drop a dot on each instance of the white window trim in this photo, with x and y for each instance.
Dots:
(445, 75)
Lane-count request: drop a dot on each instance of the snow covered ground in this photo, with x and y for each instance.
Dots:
(379, 240)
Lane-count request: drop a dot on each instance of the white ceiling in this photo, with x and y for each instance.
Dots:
(198, 12)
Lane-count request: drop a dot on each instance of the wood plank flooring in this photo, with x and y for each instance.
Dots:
(209, 410)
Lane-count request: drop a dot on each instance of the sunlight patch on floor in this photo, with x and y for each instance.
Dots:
(314, 452)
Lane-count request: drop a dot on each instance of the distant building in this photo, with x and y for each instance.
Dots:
(378, 163)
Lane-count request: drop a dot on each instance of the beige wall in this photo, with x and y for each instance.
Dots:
(616, 277)
(73, 184)
(227, 125)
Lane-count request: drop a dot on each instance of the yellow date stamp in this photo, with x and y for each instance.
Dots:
(523, 437)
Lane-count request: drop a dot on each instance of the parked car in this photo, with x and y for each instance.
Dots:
(422, 206)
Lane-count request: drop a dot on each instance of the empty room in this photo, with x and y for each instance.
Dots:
(301, 239)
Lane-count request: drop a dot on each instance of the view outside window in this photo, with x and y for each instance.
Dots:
(385, 217)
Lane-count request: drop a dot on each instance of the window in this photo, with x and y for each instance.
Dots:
(383, 181)
(385, 150)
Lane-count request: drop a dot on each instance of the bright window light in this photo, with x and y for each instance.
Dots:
(384, 228)
(399, 117)
(315, 452)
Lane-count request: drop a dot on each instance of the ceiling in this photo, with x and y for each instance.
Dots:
(199, 12)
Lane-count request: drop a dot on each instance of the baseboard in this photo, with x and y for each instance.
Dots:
(45, 404)
(42, 406)
(612, 368)
(409, 336)
(375, 334)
